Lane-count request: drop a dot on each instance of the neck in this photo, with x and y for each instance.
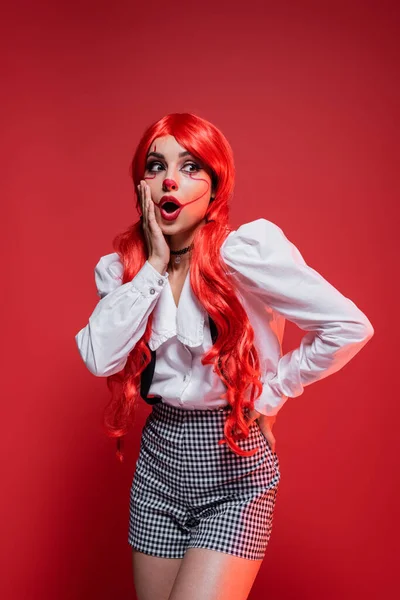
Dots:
(181, 267)
(180, 241)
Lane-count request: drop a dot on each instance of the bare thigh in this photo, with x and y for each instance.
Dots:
(153, 577)
(212, 575)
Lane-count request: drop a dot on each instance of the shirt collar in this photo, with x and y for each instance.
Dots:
(185, 321)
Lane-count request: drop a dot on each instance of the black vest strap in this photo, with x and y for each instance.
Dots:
(148, 373)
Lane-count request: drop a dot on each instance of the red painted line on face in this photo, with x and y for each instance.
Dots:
(201, 196)
(170, 182)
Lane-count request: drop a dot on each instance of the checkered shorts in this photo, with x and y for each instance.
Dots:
(190, 492)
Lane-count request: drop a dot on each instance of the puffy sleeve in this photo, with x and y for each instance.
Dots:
(119, 319)
(264, 262)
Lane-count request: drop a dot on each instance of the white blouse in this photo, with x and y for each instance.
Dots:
(273, 282)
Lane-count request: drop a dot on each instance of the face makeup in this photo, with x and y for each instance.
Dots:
(172, 204)
(170, 207)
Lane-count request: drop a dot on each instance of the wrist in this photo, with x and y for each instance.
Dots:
(158, 264)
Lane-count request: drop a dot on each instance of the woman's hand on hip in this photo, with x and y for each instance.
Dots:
(266, 423)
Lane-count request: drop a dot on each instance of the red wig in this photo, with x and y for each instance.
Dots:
(234, 355)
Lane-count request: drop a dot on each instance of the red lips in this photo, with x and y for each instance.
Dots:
(169, 216)
(165, 199)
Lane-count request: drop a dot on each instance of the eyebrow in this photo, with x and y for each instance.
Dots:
(159, 155)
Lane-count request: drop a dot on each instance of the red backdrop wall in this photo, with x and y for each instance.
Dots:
(307, 94)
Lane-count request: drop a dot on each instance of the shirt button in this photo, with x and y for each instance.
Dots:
(184, 378)
(160, 282)
(152, 291)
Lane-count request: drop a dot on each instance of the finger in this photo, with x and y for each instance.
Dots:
(141, 198)
(148, 213)
(267, 421)
(266, 430)
(145, 213)
(145, 217)
(269, 436)
(252, 416)
(145, 204)
(151, 211)
(152, 216)
(140, 202)
(271, 441)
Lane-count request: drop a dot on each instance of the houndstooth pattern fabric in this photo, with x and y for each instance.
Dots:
(190, 492)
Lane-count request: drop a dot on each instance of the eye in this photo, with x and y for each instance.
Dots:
(150, 166)
(195, 165)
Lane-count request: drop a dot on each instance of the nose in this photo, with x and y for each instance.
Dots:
(169, 184)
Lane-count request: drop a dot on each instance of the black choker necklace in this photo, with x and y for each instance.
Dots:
(177, 253)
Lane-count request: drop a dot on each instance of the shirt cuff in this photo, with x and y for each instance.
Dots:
(148, 281)
(270, 400)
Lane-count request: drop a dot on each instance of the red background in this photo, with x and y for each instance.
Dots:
(308, 97)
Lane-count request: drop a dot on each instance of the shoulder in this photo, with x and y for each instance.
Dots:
(110, 263)
(261, 236)
(108, 273)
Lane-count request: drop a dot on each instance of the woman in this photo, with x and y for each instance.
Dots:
(191, 318)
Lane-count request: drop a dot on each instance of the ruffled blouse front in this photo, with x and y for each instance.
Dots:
(273, 282)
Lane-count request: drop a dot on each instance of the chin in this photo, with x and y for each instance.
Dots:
(178, 226)
(178, 223)
(170, 224)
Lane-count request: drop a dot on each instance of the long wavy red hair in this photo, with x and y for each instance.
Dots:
(234, 355)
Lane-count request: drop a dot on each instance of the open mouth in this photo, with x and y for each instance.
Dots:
(170, 207)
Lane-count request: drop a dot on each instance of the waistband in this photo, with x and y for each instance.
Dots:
(163, 407)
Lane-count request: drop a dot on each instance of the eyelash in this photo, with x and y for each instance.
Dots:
(156, 162)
